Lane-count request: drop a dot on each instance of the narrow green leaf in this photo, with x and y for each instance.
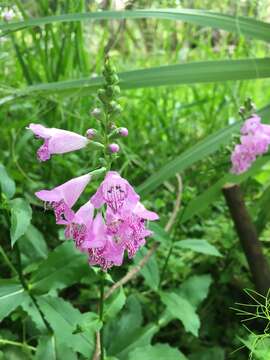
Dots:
(157, 352)
(189, 73)
(198, 245)
(7, 184)
(21, 215)
(114, 304)
(237, 24)
(181, 309)
(201, 202)
(197, 152)
(12, 294)
(33, 245)
(63, 267)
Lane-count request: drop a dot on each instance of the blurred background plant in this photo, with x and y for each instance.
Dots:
(163, 123)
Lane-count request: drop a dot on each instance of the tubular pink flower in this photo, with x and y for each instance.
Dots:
(56, 141)
(78, 225)
(116, 192)
(129, 227)
(102, 249)
(63, 197)
(255, 141)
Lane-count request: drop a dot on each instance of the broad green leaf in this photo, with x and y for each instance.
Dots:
(21, 215)
(201, 202)
(33, 245)
(114, 304)
(64, 319)
(6, 183)
(49, 349)
(142, 337)
(198, 245)
(12, 294)
(125, 328)
(214, 353)
(30, 308)
(63, 267)
(237, 24)
(157, 352)
(197, 152)
(150, 270)
(181, 309)
(189, 73)
(195, 289)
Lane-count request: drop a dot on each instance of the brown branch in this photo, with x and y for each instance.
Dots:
(248, 237)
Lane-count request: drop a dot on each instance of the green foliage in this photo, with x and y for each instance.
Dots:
(12, 294)
(198, 245)
(181, 309)
(53, 273)
(21, 214)
(7, 184)
(178, 305)
(158, 352)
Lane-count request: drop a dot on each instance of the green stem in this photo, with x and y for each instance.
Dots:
(7, 261)
(26, 287)
(163, 271)
(101, 307)
(15, 343)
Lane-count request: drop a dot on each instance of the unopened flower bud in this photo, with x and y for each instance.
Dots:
(97, 113)
(8, 15)
(91, 133)
(102, 95)
(114, 148)
(123, 131)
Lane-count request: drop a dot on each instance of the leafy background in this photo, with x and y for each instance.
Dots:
(207, 64)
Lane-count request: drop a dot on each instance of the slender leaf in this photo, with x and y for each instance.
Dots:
(6, 183)
(189, 73)
(197, 152)
(198, 245)
(201, 202)
(21, 214)
(114, 304)
(12, 294)
(237, 24)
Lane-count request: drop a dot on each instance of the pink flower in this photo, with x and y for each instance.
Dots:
(255, 141)
(102, 249)
(116, 192)
(63, 197)
(56, 141)
(128, 228)
(79, 223)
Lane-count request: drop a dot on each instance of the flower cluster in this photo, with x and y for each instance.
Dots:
(113, 221)
(255, 141)
(104, 240)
